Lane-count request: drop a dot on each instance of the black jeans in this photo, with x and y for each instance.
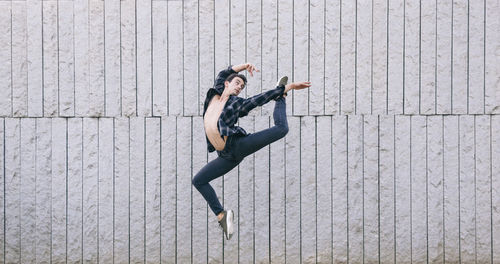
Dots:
(238, 147)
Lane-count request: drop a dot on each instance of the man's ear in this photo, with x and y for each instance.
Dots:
(226, 84)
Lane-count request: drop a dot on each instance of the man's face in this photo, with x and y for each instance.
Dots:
(235, 86)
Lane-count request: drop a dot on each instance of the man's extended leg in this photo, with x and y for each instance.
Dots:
(253, 142)
(209, 172)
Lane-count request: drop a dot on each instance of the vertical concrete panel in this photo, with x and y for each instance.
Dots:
(402, 190)
(175, 58)
(451, 176)
(43, 189)
(395, 57)
(66, 59)
(324, 189)
(75, 187)
(483, 184)
(339, 189)
(82, 59)
(160, 53)
(387, 188)
(191, 61)
(347, 57)
(199, 205)
(137, 191)
(215, 236)
(428, 57)
(248, 210)
(459, 58)
(364, 57)
(19, 59)
(238, 43)
(300, 54)
(230, 194)
(168, 189)
(285, 44)
(206, 49)
(121, 227)
(268, 35)
(143, 36)
(105, 190)
(355, 188)
(332, 57)
(12, 191)
(435, 188)
(50, 63)
(466, 185)
(237, 32)
(153, 188)
(34, 57)
(292, 191)
(317, 57)
(90, 188)
(476, 57)
(96, 55)
(308, 189)
(6, 57)
(129, 57)
(2, 188)
(112, 59)
(495, 187)
(252, 30)
(371, 212)
(261, 195)
(492, 67)
(379, 57)
(418, 191)
(27, 189)
(59, 187)
(184, 189)
(277, 201)
(443, 56)
(411, 59)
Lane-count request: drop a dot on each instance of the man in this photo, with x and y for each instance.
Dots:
(221, 111)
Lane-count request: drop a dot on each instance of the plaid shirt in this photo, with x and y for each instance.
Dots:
(235, 106)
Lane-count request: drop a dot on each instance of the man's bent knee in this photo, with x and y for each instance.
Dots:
(283, 130)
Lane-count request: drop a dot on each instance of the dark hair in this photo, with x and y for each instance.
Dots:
(233, 75)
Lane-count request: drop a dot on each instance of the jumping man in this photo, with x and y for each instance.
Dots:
(221, 111)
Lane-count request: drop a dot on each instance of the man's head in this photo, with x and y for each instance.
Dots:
(235, 83)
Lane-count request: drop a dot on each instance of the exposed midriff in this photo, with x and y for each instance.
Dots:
(211, 119)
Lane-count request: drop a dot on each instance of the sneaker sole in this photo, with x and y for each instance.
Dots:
(230, 228)
(283, 81)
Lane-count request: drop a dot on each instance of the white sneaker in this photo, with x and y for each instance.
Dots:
(227, 223)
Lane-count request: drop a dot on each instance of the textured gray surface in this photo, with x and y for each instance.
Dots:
(292, 191)
(112, 58)
(153, 189)
(105, 190)
(5, 55)
(402, 181)
(435, 187)
(418, 191)
(19, 69)
(370, 189)
(28, 188)
(450, 192)
(111, 181)
(405, 187)
(74, 190)
(66, 59)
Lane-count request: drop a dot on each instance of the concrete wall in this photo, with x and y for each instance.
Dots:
(392, 155)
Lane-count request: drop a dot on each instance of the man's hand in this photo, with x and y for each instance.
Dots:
(297, 86)
(247, 66)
